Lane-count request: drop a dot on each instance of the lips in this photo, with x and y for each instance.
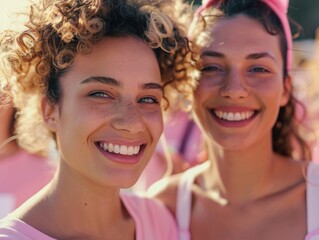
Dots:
(120, 149)
(121, 153)
(233, 117)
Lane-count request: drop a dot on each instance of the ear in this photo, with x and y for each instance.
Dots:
(50, 114)
(286, 94)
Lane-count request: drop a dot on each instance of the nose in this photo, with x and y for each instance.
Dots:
(234, 86)
(129, 119)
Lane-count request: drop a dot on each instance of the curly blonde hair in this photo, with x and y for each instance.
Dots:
(58, 30)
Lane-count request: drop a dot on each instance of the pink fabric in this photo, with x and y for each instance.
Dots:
(280, 7)
(313, 235)
(312, 202)
(22, 175)
(184, 200)
(315, 153)
(152, 221)
(11, 228)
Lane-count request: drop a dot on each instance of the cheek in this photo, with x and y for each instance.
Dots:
(202, 96)
(154, 120)
(211, 79)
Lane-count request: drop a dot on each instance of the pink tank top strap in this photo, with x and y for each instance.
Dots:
(313, 197)
(184, 199)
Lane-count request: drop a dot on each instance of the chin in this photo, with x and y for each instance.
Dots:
(126, 181)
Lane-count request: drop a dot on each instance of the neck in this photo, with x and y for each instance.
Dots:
(84, 207)
(241, 176)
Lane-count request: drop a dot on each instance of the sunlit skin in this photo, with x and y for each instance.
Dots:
(240, 74)
(243, 194)
(7, 146)
(113, 95)
(109, 99)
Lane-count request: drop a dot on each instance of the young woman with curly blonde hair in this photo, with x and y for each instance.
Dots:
(91, 76)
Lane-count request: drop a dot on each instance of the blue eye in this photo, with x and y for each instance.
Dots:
(98, 94)
(148, 100)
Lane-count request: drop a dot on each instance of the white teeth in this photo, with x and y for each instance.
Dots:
(224, 115)
(130, 150)
(110, 147)
(237, 117)
(136, 149)
(233, 116)
(104, 146)
(116, 149)
(123, 150)
(230, 116)
(120, 149)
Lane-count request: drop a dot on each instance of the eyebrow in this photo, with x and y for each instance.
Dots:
(260, 55)
(250, 56)
(104, 80)
(155, 86)
(212, 54)
(115, 83)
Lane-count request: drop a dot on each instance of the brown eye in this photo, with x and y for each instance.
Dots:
(211, 68)
(258, 70)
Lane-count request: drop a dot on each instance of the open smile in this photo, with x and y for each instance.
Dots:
(235, 118)
(120, 149)
(128, 154)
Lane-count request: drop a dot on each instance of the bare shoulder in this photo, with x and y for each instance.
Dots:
(32, 211)
(165, 190)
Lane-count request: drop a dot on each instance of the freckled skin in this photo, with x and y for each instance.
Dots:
(116, 113)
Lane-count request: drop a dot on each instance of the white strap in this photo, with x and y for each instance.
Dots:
(313, 197)
(184, 199)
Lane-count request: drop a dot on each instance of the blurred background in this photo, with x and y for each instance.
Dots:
(304, 12)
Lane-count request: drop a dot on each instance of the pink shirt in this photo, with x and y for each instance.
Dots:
(152, 221)
(184, 200)
(21, 175)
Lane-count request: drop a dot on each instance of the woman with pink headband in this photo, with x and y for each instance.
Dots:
(257, 183)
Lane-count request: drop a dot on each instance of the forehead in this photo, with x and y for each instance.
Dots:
(242, 33)
(118, 51)
(120, 58)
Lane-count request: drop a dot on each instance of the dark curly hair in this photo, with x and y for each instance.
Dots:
(58, 30)
(286, 138)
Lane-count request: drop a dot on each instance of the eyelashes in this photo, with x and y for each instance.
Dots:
(211, 68)
(99, 94)
(149, 100)
(106, 95)
(218, 69)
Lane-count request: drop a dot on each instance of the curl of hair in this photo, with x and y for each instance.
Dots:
(59, 30)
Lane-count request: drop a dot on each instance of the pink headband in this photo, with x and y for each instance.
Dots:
(280, 8)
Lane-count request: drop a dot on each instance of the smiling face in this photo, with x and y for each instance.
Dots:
(242, 85)
(109, 117)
